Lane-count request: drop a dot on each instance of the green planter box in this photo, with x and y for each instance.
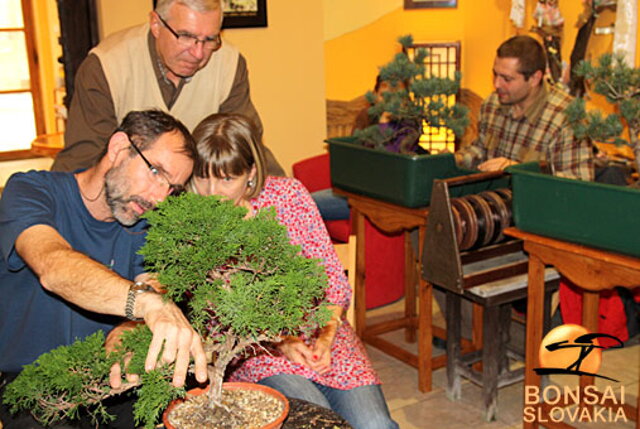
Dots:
(593, 214)
(400, 179)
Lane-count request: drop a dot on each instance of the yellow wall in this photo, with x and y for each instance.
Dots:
(352, 59)
(114, 15)
(354, 53)
(287, 77)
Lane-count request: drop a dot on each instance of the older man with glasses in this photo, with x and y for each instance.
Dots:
(70, 266)
(177, 62)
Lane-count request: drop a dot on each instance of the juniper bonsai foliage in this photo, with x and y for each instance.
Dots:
(620, 84)
(415, 98)
(74, 379)
(242, 282)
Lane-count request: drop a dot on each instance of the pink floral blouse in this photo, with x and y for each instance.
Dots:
(350, 366)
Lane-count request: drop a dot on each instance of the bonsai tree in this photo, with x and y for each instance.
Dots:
(620, 85)
(415, 99)
(241, 282)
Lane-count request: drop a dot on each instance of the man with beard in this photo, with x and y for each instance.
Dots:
(523, 120)
(177, 62)
(69, 245)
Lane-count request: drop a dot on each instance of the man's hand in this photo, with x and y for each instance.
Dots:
(172, 330)
(114, 338)
(496, 164)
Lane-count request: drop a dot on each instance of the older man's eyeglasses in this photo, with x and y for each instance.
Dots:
(174, 189)
(190, 41)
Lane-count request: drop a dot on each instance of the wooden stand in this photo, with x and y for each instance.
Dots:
(591, 269)
(394, 218)
(492, 277)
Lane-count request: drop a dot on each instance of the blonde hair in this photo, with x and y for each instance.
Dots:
(227, 144)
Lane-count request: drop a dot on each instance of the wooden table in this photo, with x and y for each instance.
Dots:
(591, 269)
(48, 144)
(394, 218)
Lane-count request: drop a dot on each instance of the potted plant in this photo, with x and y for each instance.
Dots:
(241, 283)
(620, 85)
(415, 100)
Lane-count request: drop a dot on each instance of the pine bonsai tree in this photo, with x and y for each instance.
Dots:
(415, 98)
(242, 282)
(620, 84)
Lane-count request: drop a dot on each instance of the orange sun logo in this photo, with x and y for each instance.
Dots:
(565, 347)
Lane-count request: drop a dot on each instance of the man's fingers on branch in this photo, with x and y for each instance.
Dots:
(174, 337)
(200, 359)
(115, 374)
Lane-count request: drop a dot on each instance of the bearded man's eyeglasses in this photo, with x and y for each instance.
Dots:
(158, 175)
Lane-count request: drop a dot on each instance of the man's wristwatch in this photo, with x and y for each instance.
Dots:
(134, 290)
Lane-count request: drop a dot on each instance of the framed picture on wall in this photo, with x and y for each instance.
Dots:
(245, 13)
(424, 4)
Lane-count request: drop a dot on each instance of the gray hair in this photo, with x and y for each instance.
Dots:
(162, 7)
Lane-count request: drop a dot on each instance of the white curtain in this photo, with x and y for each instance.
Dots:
(625, 37)
(517, 12)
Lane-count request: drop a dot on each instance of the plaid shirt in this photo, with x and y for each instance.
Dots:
(541, 134)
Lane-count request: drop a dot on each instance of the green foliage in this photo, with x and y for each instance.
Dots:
(155, 390)
(62, 382)
(241, 276)
(74, 379)
(415, 98)
(242, 281)
(620, 85)
(154, 395)
(593, 124)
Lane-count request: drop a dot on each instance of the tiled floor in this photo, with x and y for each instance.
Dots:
(413, 409)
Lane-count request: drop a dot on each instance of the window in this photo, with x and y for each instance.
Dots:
(443, 61)
(21, 116)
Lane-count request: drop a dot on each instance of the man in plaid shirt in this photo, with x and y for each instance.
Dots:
(523, 120)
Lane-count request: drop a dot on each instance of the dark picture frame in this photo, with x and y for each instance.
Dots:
(429, 4)
(245, 19)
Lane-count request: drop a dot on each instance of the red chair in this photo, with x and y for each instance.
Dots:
(384, 254)
(315, 176)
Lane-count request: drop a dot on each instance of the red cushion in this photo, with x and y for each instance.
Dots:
(612, 319)
(313, 172)
(339, 230)
(384, 266)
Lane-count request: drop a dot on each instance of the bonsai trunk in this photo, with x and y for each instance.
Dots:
(222, 354)
(635, 144)
(216, 376)
(217, 370)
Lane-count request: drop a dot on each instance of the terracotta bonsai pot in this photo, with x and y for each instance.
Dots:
(277, 423)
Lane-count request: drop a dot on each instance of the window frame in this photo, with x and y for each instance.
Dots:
(35, 86)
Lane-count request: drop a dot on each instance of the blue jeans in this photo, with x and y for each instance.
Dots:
(331, 206)
(363, 407)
